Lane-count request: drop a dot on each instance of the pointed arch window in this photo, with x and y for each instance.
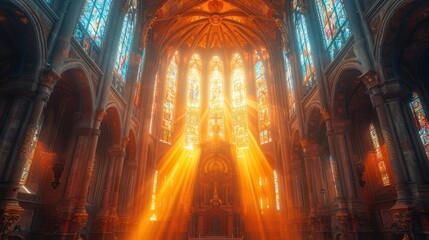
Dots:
(192, 130)
(239, 104)
(420, 121)
(381, 165)
(33, 144)
(169, 100)
(124, 50)
(290, 84)
(334, 24)
(154, 104)
(92, 25)
(308, 70)
(276, 189)
(137, 90)
(264, 121)
(216, 125)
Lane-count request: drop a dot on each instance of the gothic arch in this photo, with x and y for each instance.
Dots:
(84, 87)
(345, 83)
(313, 122)
(114, 123)
(401, 19)
(23, 49)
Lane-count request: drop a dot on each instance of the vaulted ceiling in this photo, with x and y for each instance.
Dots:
(217, 24)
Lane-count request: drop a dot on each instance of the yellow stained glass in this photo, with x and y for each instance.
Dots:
(216, 125)
(263, 103)
(380, 161)
(192, 131)
(169, 101)
(239, 106)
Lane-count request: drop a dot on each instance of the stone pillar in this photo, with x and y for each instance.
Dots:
(410, 188)
(26, 113)
(106, 219)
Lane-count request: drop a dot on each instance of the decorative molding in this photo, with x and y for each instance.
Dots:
(370, 79)
(9, 217)
(325, 115)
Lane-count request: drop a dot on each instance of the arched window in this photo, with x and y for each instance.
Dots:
(154, 104)
(290, 84)
(239, 104)
(92, 24)
(137, 90)
(216, 126)
(124, 50)
(33, 144)
(263, 103)
(308, 70)
(421, 121)
(276, 189)
(381, 165)
(334, 23)
(153, 200)
(169, 101)
(192, 130)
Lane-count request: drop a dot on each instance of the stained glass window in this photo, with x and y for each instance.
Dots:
(276, 190)
(154, 98)
(92, 24)
(216, 126)
(421, 121)
(192, 131)
(169, 101)
(48, 2)
(263, 103)
(334, 23)
(33, 144)
(290, 84)
(334, 173)
(308, 70)
(137, 90)
(124, 51)
(239, 104)
(379, 156)
(153, 200)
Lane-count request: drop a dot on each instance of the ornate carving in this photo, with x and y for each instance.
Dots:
(403, 220)
(100, 115)
(370, 79)
(343, 221)
(9, 217)
(49, 78)
(325, 115)
(304, 144)
(80, 219)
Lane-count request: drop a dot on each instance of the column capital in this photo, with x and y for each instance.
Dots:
(395, 90)
(370, 79)
(49, 77)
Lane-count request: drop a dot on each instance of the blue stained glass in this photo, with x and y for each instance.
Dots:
(124, 50)
(92, 24)
(305, 53)
(334, 24)
(290, 84)
(48, 2)
(421, 121)
(263, 103)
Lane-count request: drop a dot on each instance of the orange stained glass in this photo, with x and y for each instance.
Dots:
(216, 125)
(379, 156)
(239, 106)
(263, 103)
(154, 97)
(192, 130)
(169, 101)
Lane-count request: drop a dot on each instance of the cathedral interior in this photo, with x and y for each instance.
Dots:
(214, 119)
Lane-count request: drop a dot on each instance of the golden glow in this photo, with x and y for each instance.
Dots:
(216, 124)
(192, 130)
(379, 156)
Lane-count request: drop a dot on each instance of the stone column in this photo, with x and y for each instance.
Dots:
(386, 98)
